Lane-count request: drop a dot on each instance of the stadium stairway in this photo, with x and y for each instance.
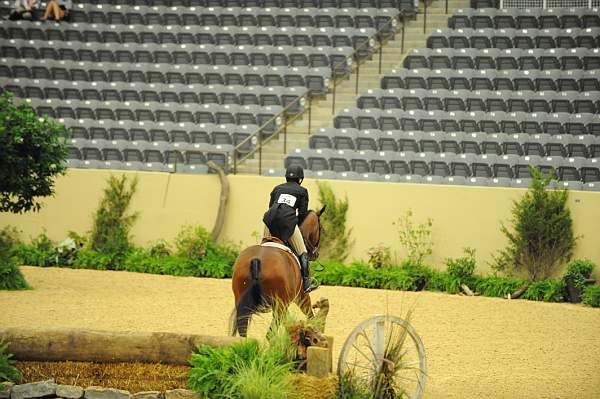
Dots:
(322, 116)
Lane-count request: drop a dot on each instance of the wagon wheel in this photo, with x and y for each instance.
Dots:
(385, 356)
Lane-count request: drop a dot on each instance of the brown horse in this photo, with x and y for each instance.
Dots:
(269, 278)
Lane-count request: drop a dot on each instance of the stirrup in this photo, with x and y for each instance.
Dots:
(311, 287)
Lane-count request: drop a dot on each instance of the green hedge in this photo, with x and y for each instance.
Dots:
(217, 261)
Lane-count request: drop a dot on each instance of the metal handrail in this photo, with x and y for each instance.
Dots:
(259, 145)
(379, 36)
(258, 132)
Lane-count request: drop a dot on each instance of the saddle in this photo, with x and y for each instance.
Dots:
(274, 242)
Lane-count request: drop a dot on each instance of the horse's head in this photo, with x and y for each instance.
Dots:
(311, 231)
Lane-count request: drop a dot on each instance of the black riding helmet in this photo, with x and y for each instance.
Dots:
(294, 173)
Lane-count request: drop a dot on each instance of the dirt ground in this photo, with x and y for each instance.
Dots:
(476, 347)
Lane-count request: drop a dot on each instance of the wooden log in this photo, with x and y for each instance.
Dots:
(466, 290)
(60, 344)
(520, 291)
(317, 361)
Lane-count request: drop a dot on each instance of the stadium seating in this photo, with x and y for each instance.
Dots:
(143, 83)
(497, 92)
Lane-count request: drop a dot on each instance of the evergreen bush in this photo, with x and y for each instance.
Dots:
(336, 242)
(112, 223)
(541, 237)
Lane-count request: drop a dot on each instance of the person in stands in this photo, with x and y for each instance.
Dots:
(281, 220)
(23, 9)
(58, 9)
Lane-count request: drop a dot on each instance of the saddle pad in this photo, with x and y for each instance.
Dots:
(283, 248)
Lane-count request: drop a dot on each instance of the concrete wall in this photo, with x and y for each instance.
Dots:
(462, 216)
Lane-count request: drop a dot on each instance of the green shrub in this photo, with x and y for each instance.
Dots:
(496, 286)
(32, 155)
(591, 296)
(112, 223)
(379, 256)
(192, 242)
(542, 231)
(246, 369)
(8, 371)
(159, 248)
(212, 367)
(416, 239)
(577, 272)
(11, 277)
(336, 242)
(546, 290)
(459, 271)
(40, 252)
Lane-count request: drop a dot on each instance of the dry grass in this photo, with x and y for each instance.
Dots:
(139, 377)
(315, 388)
(133, 377)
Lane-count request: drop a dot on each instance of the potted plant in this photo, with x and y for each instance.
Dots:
(576, 278)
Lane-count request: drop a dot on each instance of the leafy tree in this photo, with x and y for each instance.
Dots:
(336, 242)
(32, 155)
(542, 236)
(112, 223)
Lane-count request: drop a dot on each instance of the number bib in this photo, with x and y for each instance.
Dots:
(287, 199)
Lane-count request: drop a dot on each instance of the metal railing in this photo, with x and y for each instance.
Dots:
(354, 60)
(258, 140)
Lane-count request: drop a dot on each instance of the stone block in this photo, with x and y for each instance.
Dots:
(106, 393)
(69, 391)
(148, 395)
(5, 388)
(33, 390)
(181, 394)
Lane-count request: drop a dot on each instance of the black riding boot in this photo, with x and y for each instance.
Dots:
(306, 285)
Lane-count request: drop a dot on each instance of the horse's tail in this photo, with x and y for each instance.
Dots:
(250, 301)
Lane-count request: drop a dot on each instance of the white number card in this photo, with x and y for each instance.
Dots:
(287, 199)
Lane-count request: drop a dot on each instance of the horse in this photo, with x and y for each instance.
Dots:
(269, 278)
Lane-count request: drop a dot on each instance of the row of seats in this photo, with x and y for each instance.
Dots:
(237, 36)
(140, 92)
(159, 112)
(509, 59)
(534, 18)
(511, 38)
(457, 142)
(476, 121)
(236, 16)
(481, 100)
(449, 180)
(184, 55)
(443, 165)
(400, 4)
(137, 166)
(211, 137)
(315, 79)
(489, 79)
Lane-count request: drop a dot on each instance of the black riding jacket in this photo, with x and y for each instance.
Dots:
(281, 218)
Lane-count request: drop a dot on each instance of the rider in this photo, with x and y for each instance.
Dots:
(281, 220)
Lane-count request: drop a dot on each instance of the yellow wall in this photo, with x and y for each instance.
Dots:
(462, 215)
